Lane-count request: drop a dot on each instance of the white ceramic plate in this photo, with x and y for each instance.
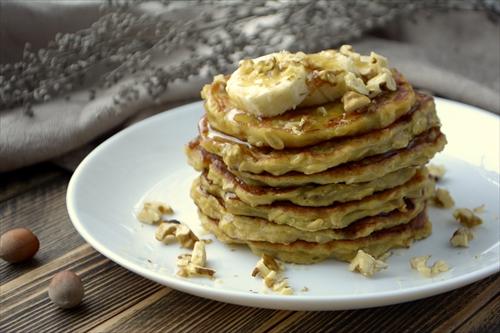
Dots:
(147, 160)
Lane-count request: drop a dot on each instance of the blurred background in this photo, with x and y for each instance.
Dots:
(74, 72)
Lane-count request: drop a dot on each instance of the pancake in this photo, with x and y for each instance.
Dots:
(334, 216)
(302, 252)
(305, 126)
(308, 195)
(420, 150)
(240, 156)
(257, 229)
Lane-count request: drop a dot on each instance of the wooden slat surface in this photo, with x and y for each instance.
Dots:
(117, 300)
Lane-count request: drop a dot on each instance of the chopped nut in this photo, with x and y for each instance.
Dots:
(353, 101)
(282, 287)
(183, 259)
(366, 264)
(479, 210)
(271, 263)
(420, 264)
(269, 269)
(328, 76)
(384, 77)
(305, 289)
(152, 212)
(169, 232)
(466, 217)
(436, 171)
(461, 237)
(166, 232)
(199, 256)
(270, 279)
(442, 198)
(193, 264)
(185, 236)
(355, 83)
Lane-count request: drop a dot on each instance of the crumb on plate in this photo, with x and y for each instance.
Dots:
(442, 198)
(420, 264)
(152, 212)
(466, 217)
(461, 237)
(365, 264)
(194, 264)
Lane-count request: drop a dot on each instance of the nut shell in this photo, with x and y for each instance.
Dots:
(66, 289)
(18, 245)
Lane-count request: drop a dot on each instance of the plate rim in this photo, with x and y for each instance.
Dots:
(271, 301)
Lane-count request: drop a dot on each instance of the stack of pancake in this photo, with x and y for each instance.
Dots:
(316, 181)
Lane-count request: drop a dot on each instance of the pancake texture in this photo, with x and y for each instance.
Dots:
(305, 126)
(309, 157)
(302, 252)
(258, 229)
(244, 158)
(305, 218)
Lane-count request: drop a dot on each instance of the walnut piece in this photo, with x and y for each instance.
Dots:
(353, 101)
(265, 265)
(170, 231)
(442, 198)
(461, 237)
(269, 269)
(420, 264)
(436, 171)
(185, 236)
(356, 84)
(466, 217)
(194, 264)
(366, 264)
(152, 212)
(166, 232)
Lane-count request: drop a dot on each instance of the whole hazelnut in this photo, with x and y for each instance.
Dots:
(18, 245)
(66, 289)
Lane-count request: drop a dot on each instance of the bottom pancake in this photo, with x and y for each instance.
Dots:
(302, 252)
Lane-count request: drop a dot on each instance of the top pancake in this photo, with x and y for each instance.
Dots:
(242, 157)
(305, 126)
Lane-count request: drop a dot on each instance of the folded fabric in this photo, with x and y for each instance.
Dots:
(457, 64)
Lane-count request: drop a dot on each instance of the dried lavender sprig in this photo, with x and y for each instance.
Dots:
(123, 42)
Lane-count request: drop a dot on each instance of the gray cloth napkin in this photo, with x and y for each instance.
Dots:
(454, 54)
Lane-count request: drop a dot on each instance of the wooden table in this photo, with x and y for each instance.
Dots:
(117, 300)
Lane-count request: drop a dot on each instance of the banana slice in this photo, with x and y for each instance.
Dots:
(269, 85)
(273, 84)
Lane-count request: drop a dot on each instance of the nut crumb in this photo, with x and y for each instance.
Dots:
(436, 171)
(194, 264)
(420, 264)
(305, 289)
(166, 232)
(365, 264)
(169, 232)
(269, 269)
(152, 212)
(353, 101)
(466, 217)
(480, 209)
(442, 198)
(185, 236)
(461, 237)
